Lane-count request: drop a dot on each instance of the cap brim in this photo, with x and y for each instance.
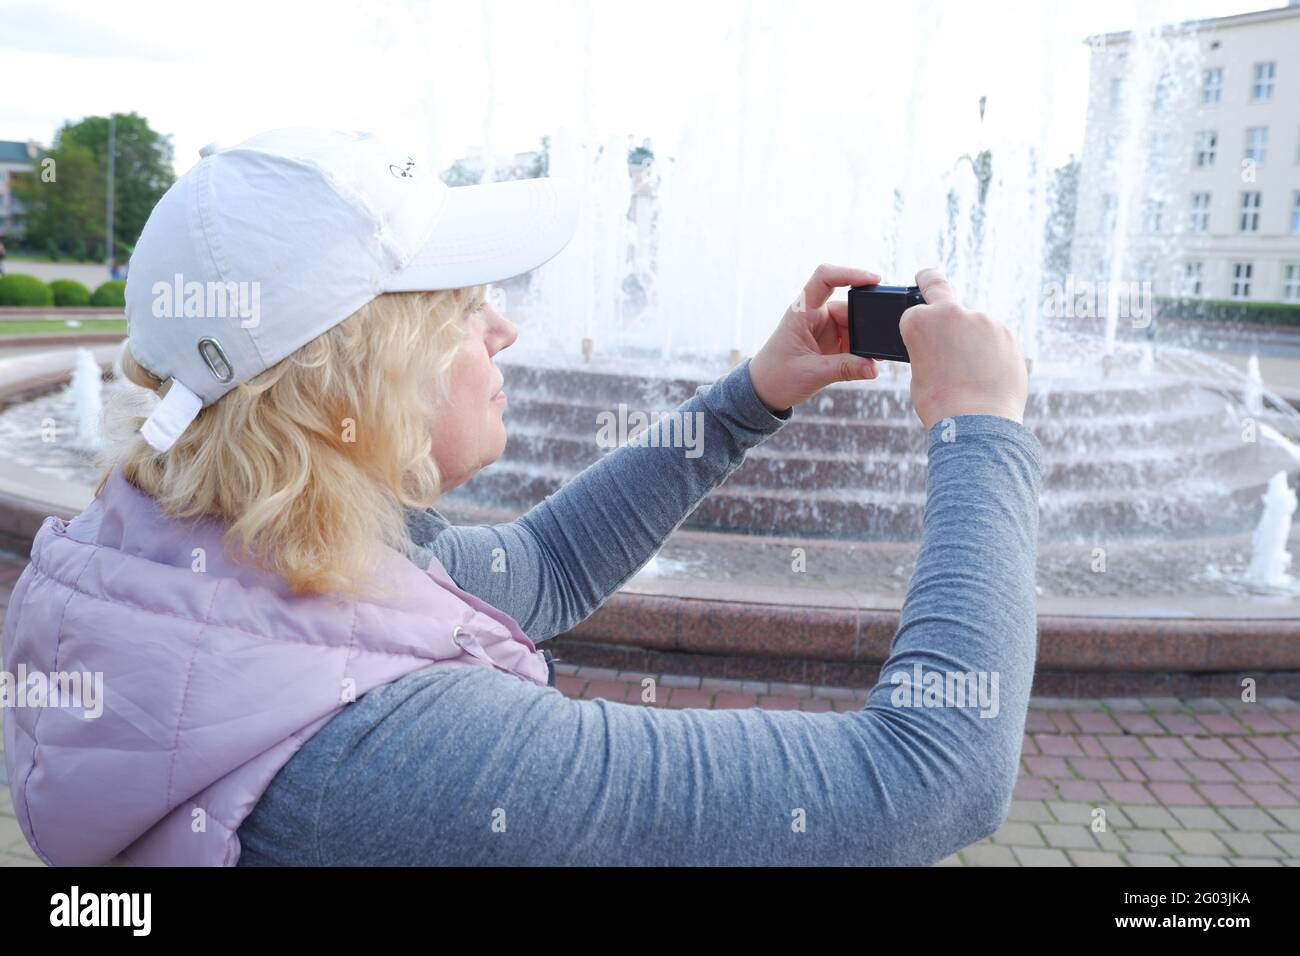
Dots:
(490, 232)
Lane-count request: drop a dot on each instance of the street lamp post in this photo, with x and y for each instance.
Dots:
(112, 134)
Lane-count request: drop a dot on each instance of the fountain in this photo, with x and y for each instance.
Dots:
(1158, 458)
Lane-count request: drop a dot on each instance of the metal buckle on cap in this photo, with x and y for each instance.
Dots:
(213, 356)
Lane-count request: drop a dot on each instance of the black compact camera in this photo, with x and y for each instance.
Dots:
(874, 314)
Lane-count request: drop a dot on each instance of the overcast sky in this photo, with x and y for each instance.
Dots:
(449, 75)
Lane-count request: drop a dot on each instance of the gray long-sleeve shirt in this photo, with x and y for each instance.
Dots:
(473, 766)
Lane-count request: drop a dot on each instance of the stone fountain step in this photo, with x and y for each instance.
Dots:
(864, 515)
(1188, 426)
(640, 387)
(1164, 457)
(766, 467)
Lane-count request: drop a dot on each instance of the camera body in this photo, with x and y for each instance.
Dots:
(874, 314)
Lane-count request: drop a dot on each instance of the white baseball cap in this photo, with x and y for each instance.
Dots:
(263, 246)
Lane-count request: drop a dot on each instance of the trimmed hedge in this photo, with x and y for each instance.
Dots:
(111, 293)
(69, 292)
(19, 289)
(1230, 311)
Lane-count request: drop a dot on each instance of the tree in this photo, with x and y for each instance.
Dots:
(66, 207)
(65, 201)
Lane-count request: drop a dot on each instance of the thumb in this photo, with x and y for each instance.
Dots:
(846, 367)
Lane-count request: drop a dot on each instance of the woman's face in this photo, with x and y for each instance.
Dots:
(468, 433)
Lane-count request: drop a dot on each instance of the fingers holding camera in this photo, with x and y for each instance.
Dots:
(963, 362)
(934, 287)
(827, 278)
(809, 349)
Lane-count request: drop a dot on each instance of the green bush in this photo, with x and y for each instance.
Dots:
(69, 292)
(111, 293)
(1232, 311)
(19, 289)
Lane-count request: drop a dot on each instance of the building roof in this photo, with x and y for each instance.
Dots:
(1292, 9)
(15, 152)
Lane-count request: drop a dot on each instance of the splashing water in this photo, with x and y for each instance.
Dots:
(88, 402)
(1254, 393)
(1270, 559)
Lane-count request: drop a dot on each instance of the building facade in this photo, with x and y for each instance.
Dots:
(15, 159)
(1190, 171)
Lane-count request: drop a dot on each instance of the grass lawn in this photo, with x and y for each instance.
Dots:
(47, 327)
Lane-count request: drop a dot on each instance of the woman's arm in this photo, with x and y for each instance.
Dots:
(556, 564)
(476, 767)
(570, 552)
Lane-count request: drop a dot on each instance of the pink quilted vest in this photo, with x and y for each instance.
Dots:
(211, 679)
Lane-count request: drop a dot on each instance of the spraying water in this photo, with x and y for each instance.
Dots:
(1254, 394)
(88, 403)
(1270, 559)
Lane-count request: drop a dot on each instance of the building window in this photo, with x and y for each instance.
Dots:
(1291, 283)
(1200, 212)
(1211, 87)
(1164, 86)
(1110, 148)
(1109, 212)
(1155, 214)
(1250, 212)
(1295, 216)
(1265, 74)
(1192, 272)
(1256, 143)
(1116, 94)
(1207, 140)
(1157, 151)
(1241, 272)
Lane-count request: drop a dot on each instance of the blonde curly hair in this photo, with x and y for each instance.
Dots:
(312, 461)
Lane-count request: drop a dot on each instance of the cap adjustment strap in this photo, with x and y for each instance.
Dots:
(178, 408)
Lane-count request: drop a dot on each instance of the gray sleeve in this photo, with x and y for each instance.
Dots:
(477, 767)
(556, 564)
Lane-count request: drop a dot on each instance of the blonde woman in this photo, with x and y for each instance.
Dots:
(304, 664)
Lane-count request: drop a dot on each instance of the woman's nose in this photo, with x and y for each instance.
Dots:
(503, 332)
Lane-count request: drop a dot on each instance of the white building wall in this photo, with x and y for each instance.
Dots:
(1121, 156)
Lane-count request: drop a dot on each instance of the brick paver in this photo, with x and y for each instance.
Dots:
(1198, 782)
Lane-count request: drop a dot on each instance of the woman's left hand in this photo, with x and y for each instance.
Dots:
(809, 349)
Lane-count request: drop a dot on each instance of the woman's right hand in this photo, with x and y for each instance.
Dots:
(963, 363)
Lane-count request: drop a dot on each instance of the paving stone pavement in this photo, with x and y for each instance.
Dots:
(1113, 782)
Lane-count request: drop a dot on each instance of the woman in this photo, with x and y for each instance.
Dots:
(304, 664)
